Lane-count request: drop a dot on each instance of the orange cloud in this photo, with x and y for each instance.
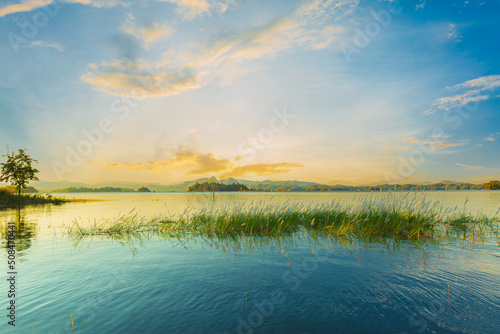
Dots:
(207, 163)
(143, 84)
(198, 164)
(436, 145)
(29, 5)
(226, 58)
(189, 9)
(469, 167)
(260, 169)
(23, 7)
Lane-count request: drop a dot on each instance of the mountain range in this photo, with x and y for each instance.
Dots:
(46, 186)
(289, 185)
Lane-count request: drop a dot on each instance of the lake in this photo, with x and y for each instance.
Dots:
(296, 284)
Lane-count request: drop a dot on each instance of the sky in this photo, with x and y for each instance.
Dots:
(335, 91)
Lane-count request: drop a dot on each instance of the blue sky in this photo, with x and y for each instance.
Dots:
(333, 91)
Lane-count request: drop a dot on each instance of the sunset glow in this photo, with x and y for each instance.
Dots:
(337, 92)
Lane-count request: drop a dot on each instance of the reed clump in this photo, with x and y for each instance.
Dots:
(400, 217)
(9, 199)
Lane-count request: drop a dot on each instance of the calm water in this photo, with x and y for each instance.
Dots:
(196, 285)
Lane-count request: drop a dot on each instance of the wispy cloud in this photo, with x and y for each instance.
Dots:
(99, 3)
(421, 5)
(439, 145)
(484, 179)
(436, 145)
(148, 33)
(29, 5)
(260, 169)
(182, 159)
(440, 135)
(453, 33)
(469, 167)
(208, 163)
(139, 83)
(490, 138)
(304, 28)
(190, 9)
(42, 44)
(24, 6)
(474, 90)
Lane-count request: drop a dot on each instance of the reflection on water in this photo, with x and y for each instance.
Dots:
(25, 230)
(259, 285)
(154, 283)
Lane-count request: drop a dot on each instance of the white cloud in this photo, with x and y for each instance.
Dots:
(99, 3)
(421, 5)
(218, 58)
(469, 167)
(29, 5)
(453, 33)
(148, 33)
(436, 145)
(490, 138)
(142, 83)
(24, 6)
(476, 90)
(190, 9)
(440, 135)
(484, 83)
(42, 44)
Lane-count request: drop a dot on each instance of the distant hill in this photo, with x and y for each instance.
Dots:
(214, 186)
(46, 187)
(266, 185)
(93, 190)
(27, 190)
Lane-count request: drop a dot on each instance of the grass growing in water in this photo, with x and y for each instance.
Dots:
(405, 217)
(8, 199)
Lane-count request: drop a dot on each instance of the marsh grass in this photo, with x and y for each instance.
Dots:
(83, 200)
(8, 199)
(407, 217)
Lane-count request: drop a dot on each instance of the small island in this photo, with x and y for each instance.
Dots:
(101, 190)
(492, 185)
(93, 190)
(213, 186)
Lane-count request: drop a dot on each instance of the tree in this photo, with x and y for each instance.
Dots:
(17, 170)
(492, 185)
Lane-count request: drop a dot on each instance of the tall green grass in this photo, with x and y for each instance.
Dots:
(401, 217)
(8, 199)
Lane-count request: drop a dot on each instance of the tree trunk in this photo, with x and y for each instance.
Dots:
(19, 190)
